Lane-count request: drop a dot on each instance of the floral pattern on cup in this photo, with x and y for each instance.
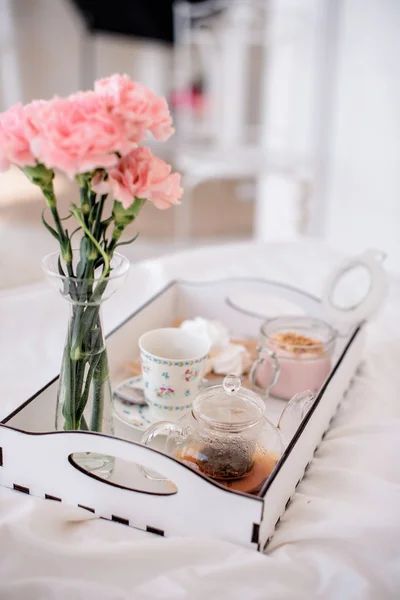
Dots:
(191, 374)
(164, 392)
(165, 375)
(166, 407)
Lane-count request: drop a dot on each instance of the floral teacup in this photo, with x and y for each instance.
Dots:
(172, 366)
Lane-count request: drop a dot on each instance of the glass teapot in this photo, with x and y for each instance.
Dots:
(227, 436)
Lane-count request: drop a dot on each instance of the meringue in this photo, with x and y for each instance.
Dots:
(225, 356)
(234, 359)
(215, 331)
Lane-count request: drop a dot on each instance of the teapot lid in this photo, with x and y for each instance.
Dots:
(228, 406)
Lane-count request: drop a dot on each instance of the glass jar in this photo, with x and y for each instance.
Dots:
(294, 354)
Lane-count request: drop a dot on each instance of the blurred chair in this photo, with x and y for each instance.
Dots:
(225, 48)
(133, 19)
(10, 81)
(145, 28)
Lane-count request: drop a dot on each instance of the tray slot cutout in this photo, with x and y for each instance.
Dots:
(86, 508)
(255, 534)
(21, 488)
(50, 497)
(120, 520)
(155, 530)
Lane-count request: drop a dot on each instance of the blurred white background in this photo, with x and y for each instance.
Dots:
(335, 96)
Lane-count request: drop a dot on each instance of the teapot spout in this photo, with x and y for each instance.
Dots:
(293, 414)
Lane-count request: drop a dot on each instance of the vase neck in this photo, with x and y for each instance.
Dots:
(84, 292)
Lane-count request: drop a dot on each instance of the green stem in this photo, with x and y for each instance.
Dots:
(85, 206)
(85, 315)
(83, 425)
(76, 372)
(65, 242)
(51, 200)
(69, 391)
(100, 206)
(80, 374)
(85, 394)
(84, 337)
(99, 377)
(116, 234)
(75, 212)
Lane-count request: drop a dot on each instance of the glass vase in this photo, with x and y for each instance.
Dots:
(84, 399)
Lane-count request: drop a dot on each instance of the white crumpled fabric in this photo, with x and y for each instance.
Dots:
(338, 539)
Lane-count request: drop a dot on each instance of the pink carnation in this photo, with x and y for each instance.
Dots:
(138, 106)
(140, 174)
(16, 133)
(78, 134)
(88, 130)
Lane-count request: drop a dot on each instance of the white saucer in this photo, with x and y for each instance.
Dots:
(127, 409)
(130, 406)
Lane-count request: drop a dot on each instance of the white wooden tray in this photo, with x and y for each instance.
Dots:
(36, 460)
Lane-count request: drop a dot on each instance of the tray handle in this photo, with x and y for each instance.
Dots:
(186, 479)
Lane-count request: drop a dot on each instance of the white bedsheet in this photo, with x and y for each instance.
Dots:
(339, 538)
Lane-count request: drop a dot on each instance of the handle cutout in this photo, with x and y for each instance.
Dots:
(351, 288)
(126, 475)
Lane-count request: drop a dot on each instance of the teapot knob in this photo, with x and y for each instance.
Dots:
(231, 384)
